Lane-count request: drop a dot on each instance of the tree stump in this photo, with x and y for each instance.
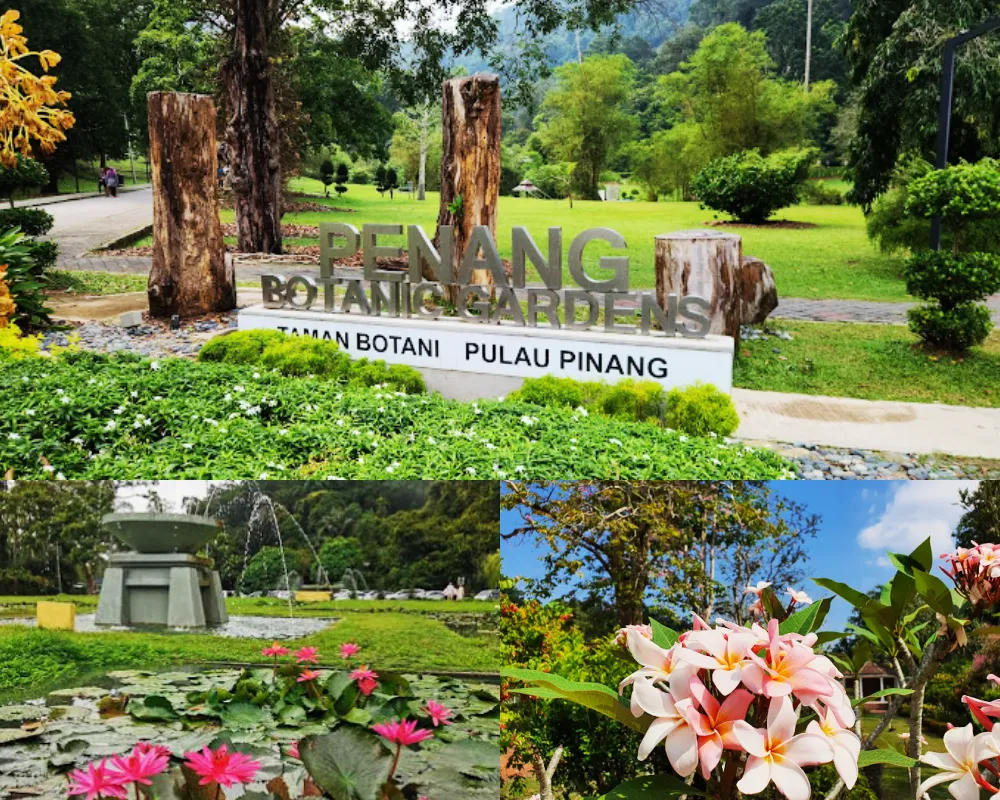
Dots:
(706, 264)
(470, 160)
(190, 274)
(758, 293)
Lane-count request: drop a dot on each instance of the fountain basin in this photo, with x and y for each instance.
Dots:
(152, 532)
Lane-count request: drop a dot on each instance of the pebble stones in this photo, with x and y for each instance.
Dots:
(832, 463)
(151, 339)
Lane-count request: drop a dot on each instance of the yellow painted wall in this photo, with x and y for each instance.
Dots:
(56, 616)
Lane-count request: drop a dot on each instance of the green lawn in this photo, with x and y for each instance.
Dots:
(875, 362)
(95, 283)
(24, 606)
(895, 780)
(833, 260)
(33, 662)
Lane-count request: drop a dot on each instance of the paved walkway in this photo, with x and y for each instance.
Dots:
(868, 424)
(93, 220)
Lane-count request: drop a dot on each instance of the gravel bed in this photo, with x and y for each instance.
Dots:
(247, 627)
(816, 462)
(152, 339)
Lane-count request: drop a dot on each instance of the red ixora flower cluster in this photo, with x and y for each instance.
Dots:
(976, 574)
(112, 779)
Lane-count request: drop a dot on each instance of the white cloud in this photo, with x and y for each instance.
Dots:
(916, 510)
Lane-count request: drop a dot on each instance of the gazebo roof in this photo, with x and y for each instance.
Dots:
(871, 670)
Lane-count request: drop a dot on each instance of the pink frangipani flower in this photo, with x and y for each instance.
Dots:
(96, 781)
(797, 596)
(670, 726)
(714, 725)
(776, 754)
(403, 732)
(222, 767)
(724, 653)
(786, 671)
(846, 746)
(758, 589)
(960, 764)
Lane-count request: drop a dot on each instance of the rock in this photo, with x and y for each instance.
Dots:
(859, 469)
(758, 291)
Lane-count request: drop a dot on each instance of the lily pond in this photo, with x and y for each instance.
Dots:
(311, 733)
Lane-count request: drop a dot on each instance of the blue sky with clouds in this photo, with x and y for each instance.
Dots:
(860, 520)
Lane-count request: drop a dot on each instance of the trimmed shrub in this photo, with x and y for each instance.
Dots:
(42, 254)
(957, 328)
(239, 347)
(641, 401)
(31, 221)
(304, 356)
(552, 391)
(817, 193)
(952, 279)
(701, 409)
(750, 186)
(955, 282)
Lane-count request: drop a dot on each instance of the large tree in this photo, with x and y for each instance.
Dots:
(95, 39)
(981, 520)
(684, 545)
(894, 48)
(726, 91)
(585, 116)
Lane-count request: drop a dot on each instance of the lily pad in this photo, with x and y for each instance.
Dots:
(241, 716)
(154, 708)
(348, 764)
(16, 716)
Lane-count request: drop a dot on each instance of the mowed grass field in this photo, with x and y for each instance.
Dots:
(833, 260)
(398, 636)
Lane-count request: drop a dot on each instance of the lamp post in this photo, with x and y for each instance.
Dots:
(809, 40)
(944, 112)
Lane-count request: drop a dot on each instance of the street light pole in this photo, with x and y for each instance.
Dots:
(944, 110)
(809, 39)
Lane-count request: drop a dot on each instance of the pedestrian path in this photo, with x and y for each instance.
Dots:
(868, 424)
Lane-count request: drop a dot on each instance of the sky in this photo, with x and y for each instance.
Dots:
(172, 492)
(860, 520)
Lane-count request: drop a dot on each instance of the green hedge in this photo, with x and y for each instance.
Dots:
(303, 355)
(698, 410)
(124, 417)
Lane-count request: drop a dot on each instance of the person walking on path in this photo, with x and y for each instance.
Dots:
(110, 182)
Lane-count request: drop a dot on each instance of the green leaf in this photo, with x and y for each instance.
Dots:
(152, 709)
(822, 637)
(881, 693)
(934, 591)
(852, 596)
(651, 787)
(662, 635)
(923, 555)
(901, 592)
(807, 619)
(243, 716)
(891, 757)
(348, 764)
(595, 696)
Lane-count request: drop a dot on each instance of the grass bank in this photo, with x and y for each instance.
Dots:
(871, 362)
(832, 260)
(33, 662)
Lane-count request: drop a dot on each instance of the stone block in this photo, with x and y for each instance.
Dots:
(56, 616)
(131, 319)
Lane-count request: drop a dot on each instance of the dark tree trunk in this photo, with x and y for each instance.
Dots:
(470, 160)
(190, 273)
(252, 130)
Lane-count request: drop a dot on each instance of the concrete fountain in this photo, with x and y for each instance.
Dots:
(162, 581)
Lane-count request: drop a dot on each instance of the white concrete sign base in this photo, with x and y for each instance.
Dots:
(509, 351)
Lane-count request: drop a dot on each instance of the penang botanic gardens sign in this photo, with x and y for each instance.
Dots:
(518, 332)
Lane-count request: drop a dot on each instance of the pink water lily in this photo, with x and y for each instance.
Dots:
(960, 764)
(669, 726)
(96, 781)
(777, 754)
(714, 724)
(787, 670)
(724, 653)
(846, 746)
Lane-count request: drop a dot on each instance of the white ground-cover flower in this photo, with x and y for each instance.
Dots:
(960, 764)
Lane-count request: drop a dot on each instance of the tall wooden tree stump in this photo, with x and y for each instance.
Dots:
(190, 274)
(706, 264)
(470, 160)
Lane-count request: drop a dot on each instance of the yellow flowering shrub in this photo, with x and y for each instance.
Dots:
(28, 103)
(7, 307)
(13, 343)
